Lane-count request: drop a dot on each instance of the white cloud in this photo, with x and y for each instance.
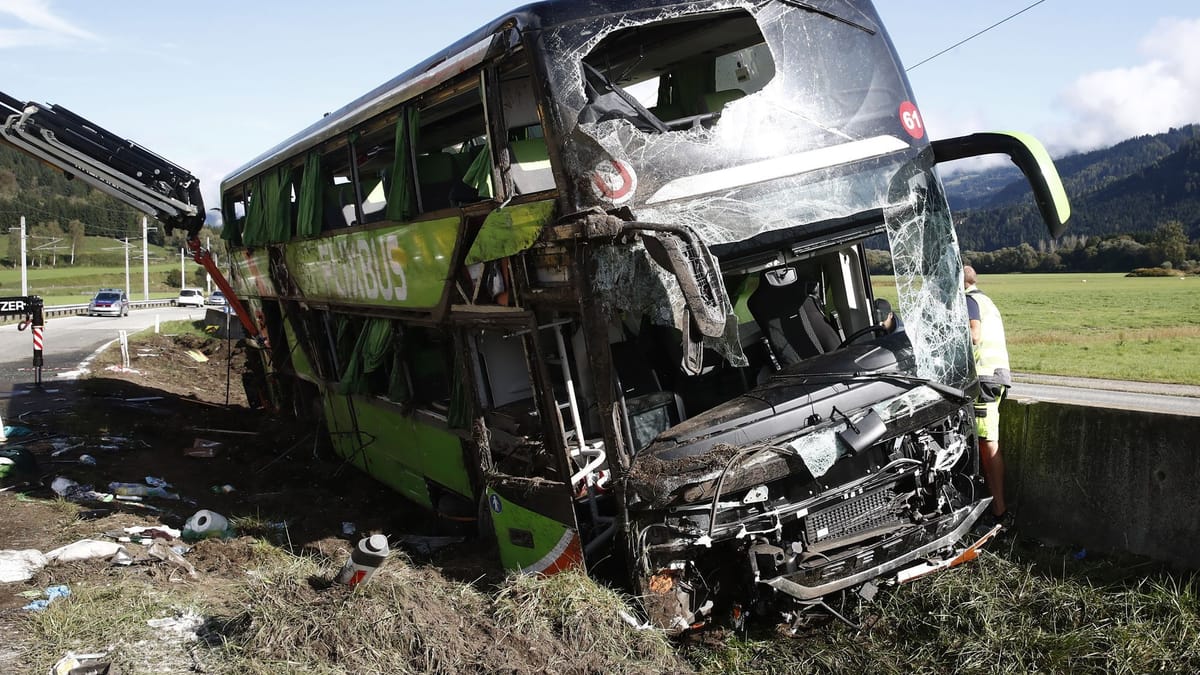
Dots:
(1108, 106)
(42, 27)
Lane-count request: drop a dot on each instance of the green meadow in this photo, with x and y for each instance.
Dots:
(64, 284)
(1097, 325)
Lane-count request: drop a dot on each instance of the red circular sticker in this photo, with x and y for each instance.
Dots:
(910, 117)
(614, 181)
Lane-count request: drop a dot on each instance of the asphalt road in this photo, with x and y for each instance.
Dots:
(1153, 397)
(71, 339)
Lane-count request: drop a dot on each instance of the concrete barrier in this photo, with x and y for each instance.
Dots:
(1104, 479)
(223, 323)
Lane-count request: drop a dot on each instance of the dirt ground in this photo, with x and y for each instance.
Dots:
(270, 475)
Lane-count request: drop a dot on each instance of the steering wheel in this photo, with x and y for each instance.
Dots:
(878, 329)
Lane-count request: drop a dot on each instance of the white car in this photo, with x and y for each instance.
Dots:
(217, 298)
(190, 297)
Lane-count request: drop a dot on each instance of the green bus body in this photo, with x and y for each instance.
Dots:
(594, 278)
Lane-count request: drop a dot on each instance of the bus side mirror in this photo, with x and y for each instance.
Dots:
(1029, 156)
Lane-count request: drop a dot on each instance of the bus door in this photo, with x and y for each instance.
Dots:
(526, 422)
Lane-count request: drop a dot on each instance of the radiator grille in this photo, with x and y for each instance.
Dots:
(857, 514)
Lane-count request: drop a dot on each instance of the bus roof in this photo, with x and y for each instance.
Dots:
(454, 59)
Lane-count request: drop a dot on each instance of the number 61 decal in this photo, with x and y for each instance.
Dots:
(910, 117)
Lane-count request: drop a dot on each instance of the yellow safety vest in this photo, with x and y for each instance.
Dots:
(991, 354)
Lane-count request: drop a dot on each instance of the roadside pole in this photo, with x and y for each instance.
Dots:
(127, 288)
(24, 271)
(38, 319)
(182, 268)
(145, 260)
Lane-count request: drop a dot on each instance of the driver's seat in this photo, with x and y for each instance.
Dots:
(791, 320)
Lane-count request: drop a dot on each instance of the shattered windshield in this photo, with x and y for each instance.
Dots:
(755, 124)
(716, 114)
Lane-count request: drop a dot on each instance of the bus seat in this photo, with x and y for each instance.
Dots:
(530, 167)
(714, 102)
(435, 175)
(792, 322)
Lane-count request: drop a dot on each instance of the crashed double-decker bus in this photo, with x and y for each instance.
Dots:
(595, 277)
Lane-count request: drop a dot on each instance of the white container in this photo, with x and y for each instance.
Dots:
(370, 553)
(204, 524)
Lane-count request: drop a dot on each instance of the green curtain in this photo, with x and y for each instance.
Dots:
(308, 218)
(401, 197)
(269, 216)
(371, 351)
(255, 213)
(277, 225)
(479, 174)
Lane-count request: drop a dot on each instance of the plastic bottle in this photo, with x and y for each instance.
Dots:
(370, 553)
(139, 490)
(204, 524)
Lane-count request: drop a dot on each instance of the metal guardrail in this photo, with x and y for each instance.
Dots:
(74, 310)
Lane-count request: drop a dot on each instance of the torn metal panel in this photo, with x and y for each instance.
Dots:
(628, 280)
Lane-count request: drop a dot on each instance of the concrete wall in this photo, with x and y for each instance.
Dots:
(1104, 479)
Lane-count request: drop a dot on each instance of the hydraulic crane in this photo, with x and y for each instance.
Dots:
(120, 168)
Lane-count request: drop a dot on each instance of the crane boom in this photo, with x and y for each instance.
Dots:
(119, 168)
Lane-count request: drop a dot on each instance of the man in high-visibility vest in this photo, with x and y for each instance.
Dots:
(991, 365)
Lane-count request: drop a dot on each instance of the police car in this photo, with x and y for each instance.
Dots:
(109, 302)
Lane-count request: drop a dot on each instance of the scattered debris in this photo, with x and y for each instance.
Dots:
(226, 431)
(182, 627)
(16, 463)
(426, 546)
(205, 524)
(139, 490)
(223, 489)
(20, 565)
(165, 553)
(84, 549)
(370, 553)
(16, 431)
(157, 532)
(203, 448)
(349, 528)
(52, 593)
(154, 481)
(81, 664)
(87, 460)
(196, 355)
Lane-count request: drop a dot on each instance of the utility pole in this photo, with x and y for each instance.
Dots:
(208, 277)
(182, 276)
(126, 267)
(24, 272)
(145, 260)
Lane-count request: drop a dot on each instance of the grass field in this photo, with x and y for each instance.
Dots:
(1096, 325)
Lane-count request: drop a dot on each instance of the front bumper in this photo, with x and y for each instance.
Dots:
(855, 567)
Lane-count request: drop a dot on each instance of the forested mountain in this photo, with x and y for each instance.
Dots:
(30, 188)
(1132, 187)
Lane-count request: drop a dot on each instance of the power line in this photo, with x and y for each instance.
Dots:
(968, 39)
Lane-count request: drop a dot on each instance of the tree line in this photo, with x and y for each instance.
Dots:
(1167, 247)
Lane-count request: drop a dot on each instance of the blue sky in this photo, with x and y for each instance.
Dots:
(210, 85)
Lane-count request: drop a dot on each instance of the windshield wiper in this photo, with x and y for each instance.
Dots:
(953, 393)
(812, 7)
